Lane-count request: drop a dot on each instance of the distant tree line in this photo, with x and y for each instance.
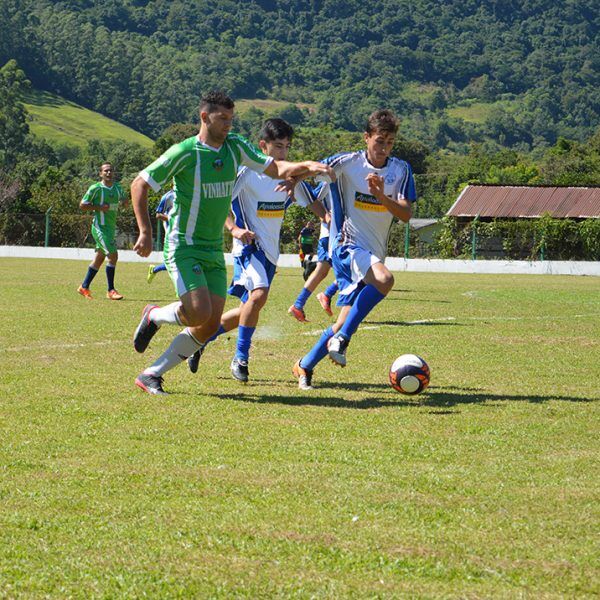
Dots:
(35, 177)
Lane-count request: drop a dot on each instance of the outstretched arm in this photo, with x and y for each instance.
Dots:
(283, 169)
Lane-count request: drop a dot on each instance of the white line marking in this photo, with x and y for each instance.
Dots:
(42, 346)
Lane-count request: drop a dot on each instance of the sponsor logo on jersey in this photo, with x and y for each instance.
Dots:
(368, 202)
(270, 210)
(222, 189)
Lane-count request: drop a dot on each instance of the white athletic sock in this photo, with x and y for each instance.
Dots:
(184, 345)
(166, 314)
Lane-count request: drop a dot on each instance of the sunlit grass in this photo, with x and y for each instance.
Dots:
(485, 486)
(58, 120)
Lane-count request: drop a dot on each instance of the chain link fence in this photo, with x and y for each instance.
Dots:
(539, 239)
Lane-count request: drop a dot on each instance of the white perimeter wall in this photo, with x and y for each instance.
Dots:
(549, 267)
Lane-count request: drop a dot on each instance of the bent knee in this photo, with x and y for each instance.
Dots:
(385, 283)
(259, 296)
(197, 316)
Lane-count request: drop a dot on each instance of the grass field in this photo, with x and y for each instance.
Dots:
(58, 120)
(486, 486)
(267, 105)
(477, 112)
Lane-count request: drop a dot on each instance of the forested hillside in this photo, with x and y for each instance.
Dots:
(532, 65)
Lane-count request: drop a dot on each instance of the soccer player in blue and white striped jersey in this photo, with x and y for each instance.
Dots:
(371, 188)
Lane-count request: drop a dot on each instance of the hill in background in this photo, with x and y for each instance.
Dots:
(61, 121)
(518, 74)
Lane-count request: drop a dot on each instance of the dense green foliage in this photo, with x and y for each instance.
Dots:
(36, 177)
(144, 62)
(520, 239)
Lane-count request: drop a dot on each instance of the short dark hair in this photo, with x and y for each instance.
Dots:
(211, 101)
(106, 162)
(276, 129)
(382, 120)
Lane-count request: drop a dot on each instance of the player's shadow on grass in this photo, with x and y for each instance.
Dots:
(355, 387)
(448, 399)
(433, 398)
(309, 399)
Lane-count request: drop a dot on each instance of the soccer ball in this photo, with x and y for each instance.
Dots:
(409, 374)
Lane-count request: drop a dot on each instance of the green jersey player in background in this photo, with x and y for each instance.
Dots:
(103, 198)
(203, 169)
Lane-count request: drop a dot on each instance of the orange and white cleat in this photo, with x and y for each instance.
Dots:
(325, 302)
(297, 313)
(114, 295)
(304, 376)
(85, 293)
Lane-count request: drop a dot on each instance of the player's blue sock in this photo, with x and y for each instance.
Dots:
(303, 296)
(366, 300)
(318, 352)
(91, 273)
(215, 335)
(110, 276)
(159, 268)
(243, 343)
(331, 290)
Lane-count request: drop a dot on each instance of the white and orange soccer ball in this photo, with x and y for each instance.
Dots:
(409, 374)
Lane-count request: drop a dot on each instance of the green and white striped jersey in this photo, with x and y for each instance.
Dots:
(203, 183)
(99, 194)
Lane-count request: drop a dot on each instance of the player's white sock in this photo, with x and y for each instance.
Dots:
(166, 314)
(184, 345)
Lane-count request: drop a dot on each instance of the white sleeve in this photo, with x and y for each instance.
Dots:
(304, 194)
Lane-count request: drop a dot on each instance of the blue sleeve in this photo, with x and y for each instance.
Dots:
(406, 185)
(238, 212)
(160, 209)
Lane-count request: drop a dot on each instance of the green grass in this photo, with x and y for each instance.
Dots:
(58, 120)
(419, 92)
(266, 105)
(486, 486)
(477, 112)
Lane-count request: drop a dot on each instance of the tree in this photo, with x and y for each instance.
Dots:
(13, 116)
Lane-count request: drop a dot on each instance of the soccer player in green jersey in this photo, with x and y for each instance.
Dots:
(203, 169)
(103, 198)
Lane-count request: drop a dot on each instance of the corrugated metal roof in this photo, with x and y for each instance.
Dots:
(527, 201)
(421, 223)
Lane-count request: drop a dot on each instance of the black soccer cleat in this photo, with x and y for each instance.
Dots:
(150, 383)
(194, 359)
(145, 330)
(239, 369)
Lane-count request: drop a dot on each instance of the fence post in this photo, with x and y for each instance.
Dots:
(542, 250)
(47, 234)
(406, 239)
(474, 238)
